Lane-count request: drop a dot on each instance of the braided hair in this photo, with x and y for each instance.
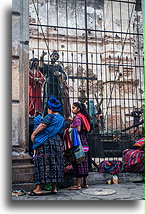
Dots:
(82, 110)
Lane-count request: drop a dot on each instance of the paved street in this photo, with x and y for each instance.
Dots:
(129, 191)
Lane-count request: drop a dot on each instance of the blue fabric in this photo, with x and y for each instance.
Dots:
(76, 139)
(54, 104)
(37, 121)
(91, 107)
(55, 124)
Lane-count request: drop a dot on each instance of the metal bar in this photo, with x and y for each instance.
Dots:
(38, 27)
(47, 10)
(132, 77)
(37, 46)
(83, 29)
(73, 75)
(67, 37)
(105, 65)
(128, 91)
(115, 72)
(136, 125)
(131, 2)
(136, 94)
(139, 50)
(89, 63)
(86, 39)
(81, 78)
(39, 24)
(76, 41)
(138, 44)
(90, 60)
(122, 62)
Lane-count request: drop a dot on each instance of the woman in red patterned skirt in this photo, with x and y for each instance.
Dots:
(48, 149)
(81, 123)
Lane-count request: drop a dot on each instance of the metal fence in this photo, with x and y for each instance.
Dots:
(100, 47)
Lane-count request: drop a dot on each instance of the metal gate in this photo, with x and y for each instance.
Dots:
(100, 63)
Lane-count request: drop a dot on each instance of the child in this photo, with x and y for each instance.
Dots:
(37, 121)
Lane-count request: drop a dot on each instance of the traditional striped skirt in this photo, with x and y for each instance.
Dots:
(49, 163)
(81, 169)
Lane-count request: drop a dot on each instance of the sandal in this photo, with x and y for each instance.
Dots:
(85, 186)
(31, 193)
(36, 194)
(74, 188)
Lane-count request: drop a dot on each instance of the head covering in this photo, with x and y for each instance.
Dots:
(54, 104)
(139, 143)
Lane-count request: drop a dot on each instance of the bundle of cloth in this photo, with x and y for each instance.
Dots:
(134, 157)
(112, 167)
(71, 138)
(72, 145)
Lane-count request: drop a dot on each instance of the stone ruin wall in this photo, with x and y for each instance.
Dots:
(102, 49)
(20, 76)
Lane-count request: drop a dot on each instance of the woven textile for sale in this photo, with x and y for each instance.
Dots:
(112, 167)
(135, 157)
(71, 138)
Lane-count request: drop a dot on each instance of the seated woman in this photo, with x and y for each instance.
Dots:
(134, 157)
(48, 147)
(81, 123)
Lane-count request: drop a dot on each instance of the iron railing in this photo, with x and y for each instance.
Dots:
(100, 44)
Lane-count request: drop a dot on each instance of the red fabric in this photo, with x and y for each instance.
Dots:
(35, 91)
(131, 156)
(135, 157)
(85, 121)
(67, 141)
(31, 108)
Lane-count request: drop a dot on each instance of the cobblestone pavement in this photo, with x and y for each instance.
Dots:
(129, 191)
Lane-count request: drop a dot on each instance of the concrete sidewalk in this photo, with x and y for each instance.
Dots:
(93, 179)
(125, 177)
(127, 191)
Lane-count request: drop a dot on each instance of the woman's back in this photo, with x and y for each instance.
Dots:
(54, 124)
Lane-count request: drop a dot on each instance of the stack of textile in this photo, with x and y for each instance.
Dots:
(134, 157)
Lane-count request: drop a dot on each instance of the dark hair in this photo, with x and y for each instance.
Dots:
(32, 62)
(82, 110)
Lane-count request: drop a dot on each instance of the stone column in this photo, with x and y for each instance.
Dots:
(22, 169)
(20, 77)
